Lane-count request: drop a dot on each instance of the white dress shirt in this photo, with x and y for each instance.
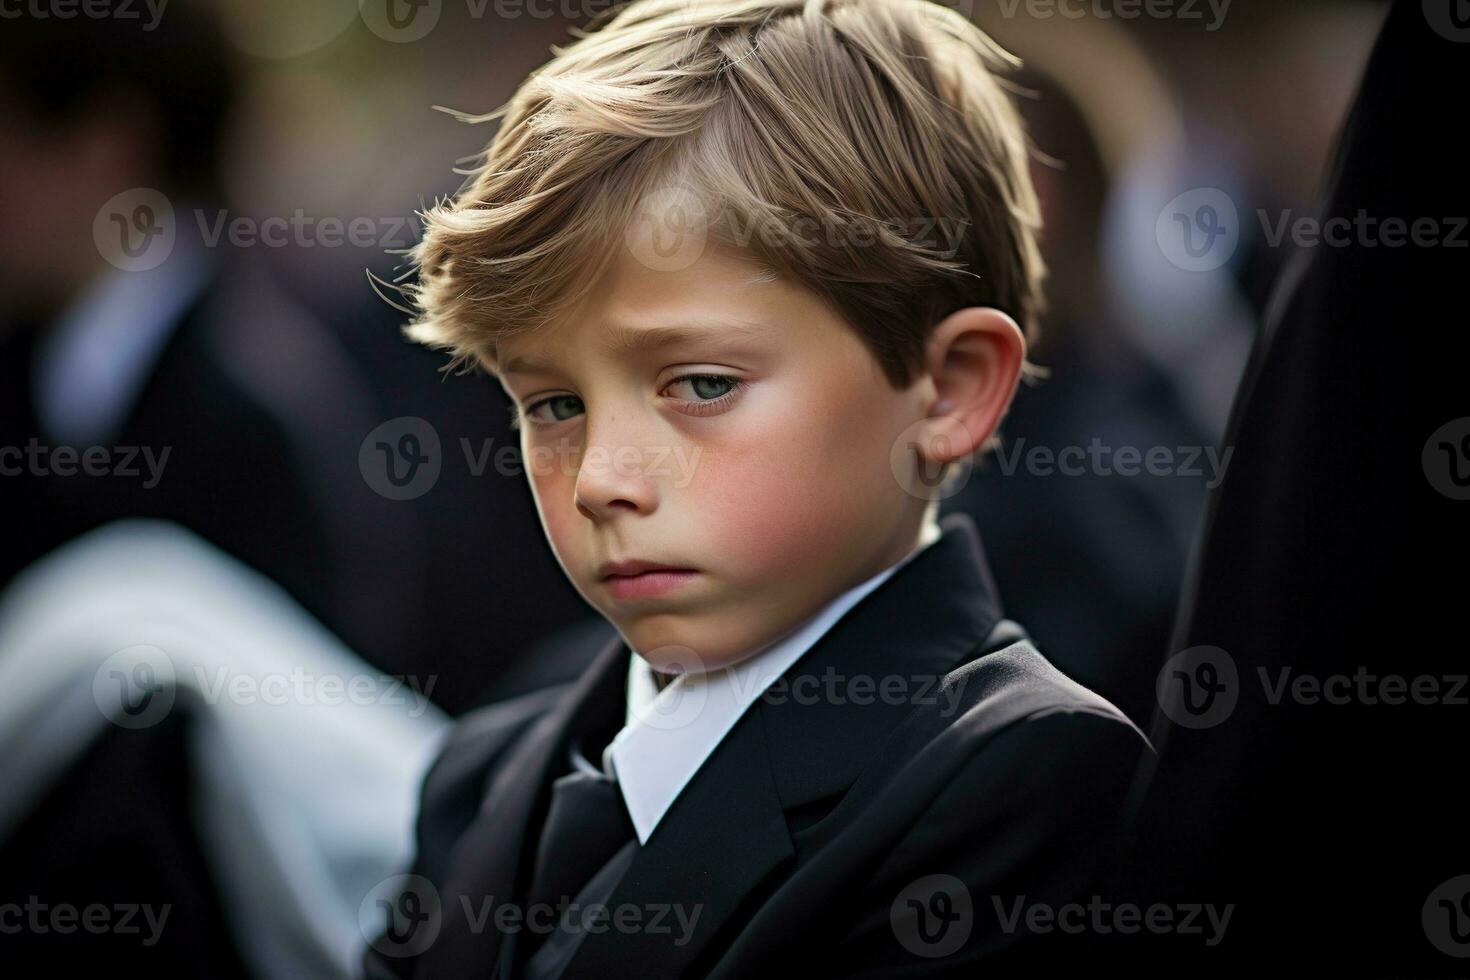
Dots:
(670, 733)
(304, 804)
(93, 363)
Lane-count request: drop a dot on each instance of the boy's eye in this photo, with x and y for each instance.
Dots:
(561, 408)
(705, 387)
(707, 392)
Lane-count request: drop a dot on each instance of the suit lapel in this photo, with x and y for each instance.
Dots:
(494, 853)
(726, 835)
(908, 634)
(723, 837)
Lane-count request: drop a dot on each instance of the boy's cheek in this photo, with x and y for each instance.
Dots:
(763, 516)
(556, 507)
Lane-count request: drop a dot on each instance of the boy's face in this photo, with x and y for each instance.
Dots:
(766, 476)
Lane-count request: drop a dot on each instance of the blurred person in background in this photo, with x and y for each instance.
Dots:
(146, 372)
(470, 586)
(244, 384)
(1143, 355)
(1312, 709)
(1092, 555)
(155, 365)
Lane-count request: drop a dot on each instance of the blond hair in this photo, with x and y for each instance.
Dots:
(878, 125)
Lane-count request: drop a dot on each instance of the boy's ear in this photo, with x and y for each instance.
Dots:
(973, 359)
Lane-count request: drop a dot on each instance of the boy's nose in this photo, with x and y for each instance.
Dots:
(613, 478)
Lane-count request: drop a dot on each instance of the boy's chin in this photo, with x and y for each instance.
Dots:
(665, 656)
(675, 652)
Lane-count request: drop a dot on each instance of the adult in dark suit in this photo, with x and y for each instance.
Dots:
(806, 840)
(197, 390)
(180, 381)
(1313, 716)
(245, 410)
(144, 371)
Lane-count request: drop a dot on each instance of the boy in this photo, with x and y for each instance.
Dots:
(752, 272)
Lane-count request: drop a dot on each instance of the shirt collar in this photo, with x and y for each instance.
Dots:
(93, 363)
(669, 734)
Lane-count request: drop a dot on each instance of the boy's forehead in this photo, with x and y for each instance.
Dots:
(541, 349)
(640, 279)
(722, 295)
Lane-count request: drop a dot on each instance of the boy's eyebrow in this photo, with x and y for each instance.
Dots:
(625, 339)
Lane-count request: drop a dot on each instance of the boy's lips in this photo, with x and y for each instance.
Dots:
(641, 579)
(633, 566)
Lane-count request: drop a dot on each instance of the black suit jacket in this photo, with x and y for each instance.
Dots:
(1332, 818)
(808, 838)
(252, 465)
